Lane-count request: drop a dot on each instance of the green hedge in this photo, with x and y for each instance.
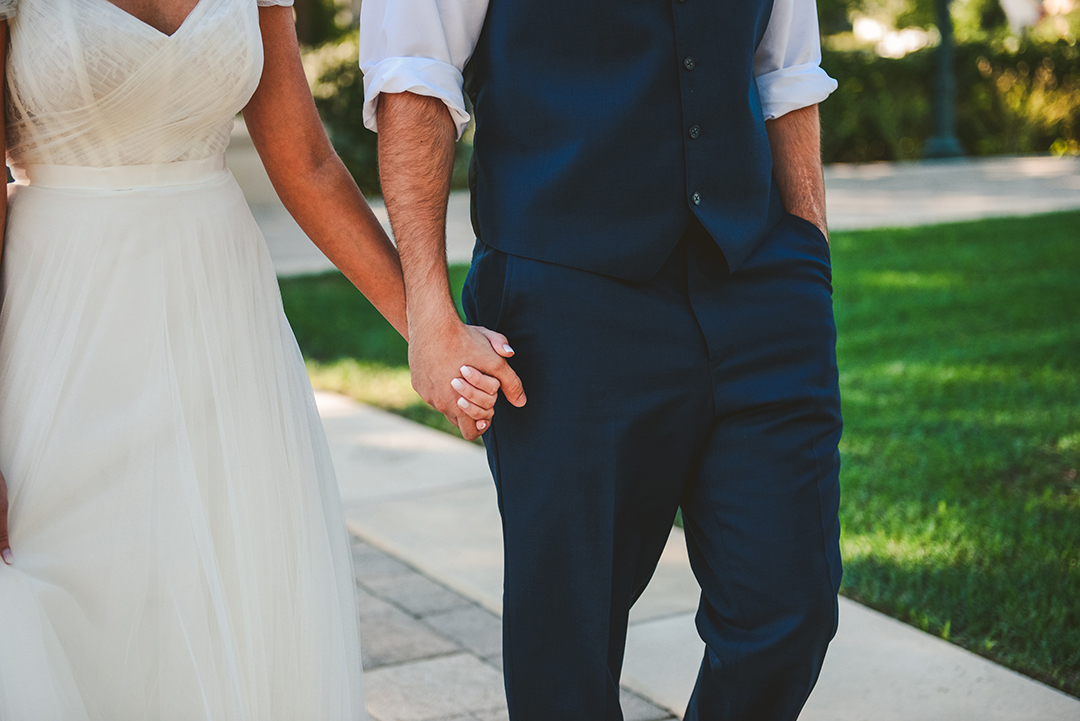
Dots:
(1027, 101)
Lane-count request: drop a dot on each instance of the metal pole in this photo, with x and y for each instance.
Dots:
(943, 143)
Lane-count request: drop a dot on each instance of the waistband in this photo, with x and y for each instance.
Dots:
(124, 177)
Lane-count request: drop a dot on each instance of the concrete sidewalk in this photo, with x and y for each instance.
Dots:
(427, 500)
(429, 554)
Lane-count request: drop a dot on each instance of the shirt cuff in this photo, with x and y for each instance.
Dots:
(421, 76)
(794, 87)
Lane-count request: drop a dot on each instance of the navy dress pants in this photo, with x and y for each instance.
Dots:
(711, 391)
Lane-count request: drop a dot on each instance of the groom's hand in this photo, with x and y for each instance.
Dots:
(439, 350)
(416, 161)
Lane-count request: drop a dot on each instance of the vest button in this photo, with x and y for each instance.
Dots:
(696, 197)
(688, 63)
(694, 131)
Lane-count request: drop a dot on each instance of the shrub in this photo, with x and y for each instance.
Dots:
(1024, 101)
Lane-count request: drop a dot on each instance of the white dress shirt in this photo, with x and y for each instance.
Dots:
(421, 47)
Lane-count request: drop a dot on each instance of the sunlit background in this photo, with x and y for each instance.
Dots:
(959, 345)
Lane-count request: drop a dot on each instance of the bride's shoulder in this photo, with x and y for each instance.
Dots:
(8, 8)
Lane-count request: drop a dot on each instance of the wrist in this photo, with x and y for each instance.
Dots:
(437, 318)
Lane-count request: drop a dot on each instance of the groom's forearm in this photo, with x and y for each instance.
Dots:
(416, 161)
(795, 139)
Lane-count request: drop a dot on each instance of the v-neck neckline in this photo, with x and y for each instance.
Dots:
(159, 31)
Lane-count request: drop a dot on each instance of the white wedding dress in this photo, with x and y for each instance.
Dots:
(180, 549)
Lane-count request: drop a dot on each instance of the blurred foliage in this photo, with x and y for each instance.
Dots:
(834, 16)
(1025, 100)
(972, 19)
(321, 21)
(1013, 95)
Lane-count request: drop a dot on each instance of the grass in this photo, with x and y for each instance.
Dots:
(959, 351)
(351, 349)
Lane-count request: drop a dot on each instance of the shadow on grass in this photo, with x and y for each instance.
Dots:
(1034, 627)
(959, 352)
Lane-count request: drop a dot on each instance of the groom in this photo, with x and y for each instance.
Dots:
(649, 208)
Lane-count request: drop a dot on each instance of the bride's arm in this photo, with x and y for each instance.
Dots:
(5, 546)
(309, 177)
(320, 194)
(3, 125)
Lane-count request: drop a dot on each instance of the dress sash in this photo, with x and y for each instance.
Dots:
(126, 177)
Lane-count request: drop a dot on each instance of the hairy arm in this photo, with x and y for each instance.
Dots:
(795, 139)
(416, 158)
(416, 155)
(309, 177)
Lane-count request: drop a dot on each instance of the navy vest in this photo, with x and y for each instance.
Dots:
(602, 125)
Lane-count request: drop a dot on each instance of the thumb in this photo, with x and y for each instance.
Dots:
(498, 341)
(510, 384)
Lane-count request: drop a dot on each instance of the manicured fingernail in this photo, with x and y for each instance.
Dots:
(481, 425)
(8, 558)
(463, 403)
(507, 348)
(459, 385)
(466, 371)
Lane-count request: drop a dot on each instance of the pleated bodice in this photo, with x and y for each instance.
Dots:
(92, 85)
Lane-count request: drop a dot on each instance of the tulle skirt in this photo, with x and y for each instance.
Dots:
(180, 548)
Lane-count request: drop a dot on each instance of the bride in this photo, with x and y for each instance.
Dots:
(177, 543)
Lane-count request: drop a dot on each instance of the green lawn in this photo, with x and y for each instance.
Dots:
(960, 369)
(351, 349)
(959, 352)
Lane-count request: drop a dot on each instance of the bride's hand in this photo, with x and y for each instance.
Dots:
(5, 547)
(478, 391)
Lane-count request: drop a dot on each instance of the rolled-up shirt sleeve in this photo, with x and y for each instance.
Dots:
(418, 46)
(787, 64)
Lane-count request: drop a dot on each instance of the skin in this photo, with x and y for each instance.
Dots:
(318, 191)
(416, 151)
(795, 139)
(164, 16)
(416, 155)
(5, 545)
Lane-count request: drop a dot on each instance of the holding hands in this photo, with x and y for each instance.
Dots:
(459, 369)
